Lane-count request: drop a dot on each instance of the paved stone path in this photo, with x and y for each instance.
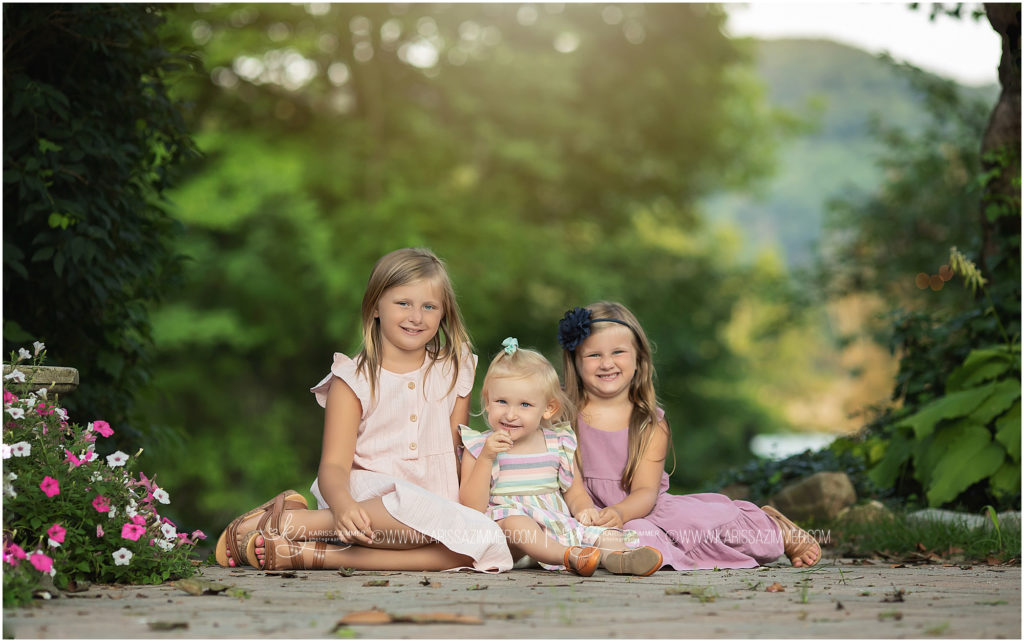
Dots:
(838, 599)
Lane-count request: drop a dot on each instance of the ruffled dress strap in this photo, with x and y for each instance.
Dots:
(467, 374)
(345, 369)
(474, 444)
(563, 442)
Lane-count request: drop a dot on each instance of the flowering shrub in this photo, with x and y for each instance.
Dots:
(71, 514)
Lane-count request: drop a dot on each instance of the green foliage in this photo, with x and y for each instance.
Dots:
(765, 477)
(71, 514)
(964, 437)
(545, 178)
(90, 141)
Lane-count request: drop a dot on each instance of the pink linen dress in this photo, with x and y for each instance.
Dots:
(404, 455)
(702, 531)
(531, 485)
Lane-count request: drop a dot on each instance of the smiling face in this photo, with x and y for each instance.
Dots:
(409, 317)
(517, 405)
(606, 362)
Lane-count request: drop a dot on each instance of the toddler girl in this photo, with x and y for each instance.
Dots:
(624, 438)
(388, 472)
(518, 472)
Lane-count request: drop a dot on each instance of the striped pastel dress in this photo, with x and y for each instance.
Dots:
(531, 484)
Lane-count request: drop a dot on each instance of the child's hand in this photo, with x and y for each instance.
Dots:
(587, 516)
(498, 442)
(609, 518)
(352, 525)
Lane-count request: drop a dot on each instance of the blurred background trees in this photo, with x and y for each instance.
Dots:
(553, 155)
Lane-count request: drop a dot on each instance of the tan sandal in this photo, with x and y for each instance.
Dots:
(582, 560)
(228, 540)
(796, 542)
(282, 554)
(641, 561)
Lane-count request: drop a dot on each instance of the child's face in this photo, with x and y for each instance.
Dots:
(606, 361)
(410, 315)
(517, 406)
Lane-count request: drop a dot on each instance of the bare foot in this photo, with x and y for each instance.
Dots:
(798, 545)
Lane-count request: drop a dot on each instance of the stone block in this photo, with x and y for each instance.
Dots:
(819, 497)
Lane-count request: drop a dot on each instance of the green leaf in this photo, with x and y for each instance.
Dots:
(1005, 482)
(1005, 393)
(951, 406)
(971, 457)
(48, 146)
(888, 469)
(1008, 432)
(979, 366)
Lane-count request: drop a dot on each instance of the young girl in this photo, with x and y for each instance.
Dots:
(388, 478)
(624, 438)
(518, 471)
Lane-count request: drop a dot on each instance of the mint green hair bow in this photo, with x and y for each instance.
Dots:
(511, 345)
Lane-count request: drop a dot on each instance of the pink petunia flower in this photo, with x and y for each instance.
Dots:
(56, 535)
(99, 531)
(102, 427)
(138, 520)
(9, 397)
(70, 456)
(197, 535)
(50, 486)
(41, 561)
(101, 504)
(13, 553)
(132, 531)
(43, 409)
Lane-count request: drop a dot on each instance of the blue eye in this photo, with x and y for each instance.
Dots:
(526, 405)
(500, 401)
(430, 306)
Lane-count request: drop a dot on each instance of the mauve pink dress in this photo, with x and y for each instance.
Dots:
(702, 531)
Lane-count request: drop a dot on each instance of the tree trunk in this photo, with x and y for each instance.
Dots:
(1000, 147)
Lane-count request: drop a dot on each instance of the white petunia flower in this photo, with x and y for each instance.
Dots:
(24, 354)
(9, 490)
(11, 476)
(38, 346)
(169, 531)
(15, 375)
(165, 545)
(117, 459)
(161, 496)
(60, 412)
(112, 512)
(5, 451)
(16, 413)
(41, 392)
(95, 477)
(131, 510)
(122, 556)
(21, 449)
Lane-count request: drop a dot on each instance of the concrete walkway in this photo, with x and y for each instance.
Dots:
(837, 599)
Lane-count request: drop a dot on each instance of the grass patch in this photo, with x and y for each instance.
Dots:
(896, 535)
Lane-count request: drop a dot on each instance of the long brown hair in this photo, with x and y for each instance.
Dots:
(402, 267)
(643, 418)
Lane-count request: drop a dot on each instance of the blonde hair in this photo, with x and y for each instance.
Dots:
(643, 419)
(530, 364)
(403, 267)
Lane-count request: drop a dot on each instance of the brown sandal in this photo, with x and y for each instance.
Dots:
(796, 542)
(284, 554)
(641, 561)
(228, 540)
(582, 560)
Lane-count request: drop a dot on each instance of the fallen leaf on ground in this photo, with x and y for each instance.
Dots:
(346, 572)
(426, 582)
(194, 586)
(992, 561)
(377, 616)
(477, 587)
(895, 596)
(897, 566)
(775, 588)
(285, 574)
(167, 626)
(377, 583)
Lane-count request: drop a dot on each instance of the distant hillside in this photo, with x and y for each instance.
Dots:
(840, 89)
